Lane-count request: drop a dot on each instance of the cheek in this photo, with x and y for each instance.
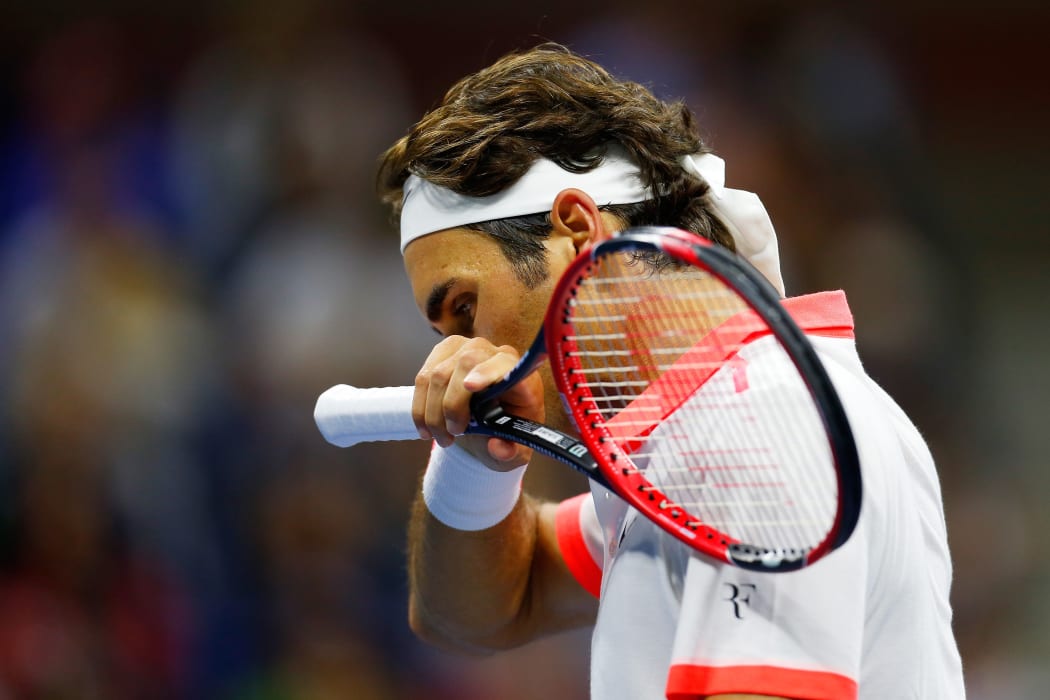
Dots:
(514, 318)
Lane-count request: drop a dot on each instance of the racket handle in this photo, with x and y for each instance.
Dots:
(347, 415)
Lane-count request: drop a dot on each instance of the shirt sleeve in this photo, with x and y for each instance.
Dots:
(579, 538)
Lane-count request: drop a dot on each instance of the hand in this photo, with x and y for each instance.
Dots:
(456, 369)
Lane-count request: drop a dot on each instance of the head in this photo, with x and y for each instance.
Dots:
(548, 103)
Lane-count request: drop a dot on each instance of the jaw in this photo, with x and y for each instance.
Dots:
(556, 414)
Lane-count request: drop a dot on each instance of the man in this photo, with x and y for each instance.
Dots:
(522, 166)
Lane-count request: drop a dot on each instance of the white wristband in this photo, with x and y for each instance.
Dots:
(464, 494)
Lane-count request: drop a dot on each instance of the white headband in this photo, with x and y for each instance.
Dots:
(428, 208)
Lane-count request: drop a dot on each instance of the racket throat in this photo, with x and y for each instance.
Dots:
(492, 420)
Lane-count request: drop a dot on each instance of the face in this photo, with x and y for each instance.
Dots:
(463, 285)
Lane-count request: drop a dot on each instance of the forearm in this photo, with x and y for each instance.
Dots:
(470, 590)
(494, 588)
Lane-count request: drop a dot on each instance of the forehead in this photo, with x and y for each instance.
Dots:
(453, 253)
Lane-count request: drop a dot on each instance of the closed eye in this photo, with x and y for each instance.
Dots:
(452, 314)
(464, 308)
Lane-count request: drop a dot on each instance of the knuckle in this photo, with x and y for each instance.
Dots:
(440, 374)
(474, 354)
(442, 351)
(450, 344)
(478, 344)
(471, 358)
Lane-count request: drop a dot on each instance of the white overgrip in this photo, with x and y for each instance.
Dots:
(347, 415)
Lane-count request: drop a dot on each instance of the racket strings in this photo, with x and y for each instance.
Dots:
(777, 498)
(729, 435)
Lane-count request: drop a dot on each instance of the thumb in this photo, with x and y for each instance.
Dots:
(508, 455)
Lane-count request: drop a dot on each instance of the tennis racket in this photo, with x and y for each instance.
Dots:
(698, 401)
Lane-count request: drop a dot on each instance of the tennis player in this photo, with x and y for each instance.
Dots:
(523, 165)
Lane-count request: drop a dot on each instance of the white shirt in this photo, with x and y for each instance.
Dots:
(870, 621)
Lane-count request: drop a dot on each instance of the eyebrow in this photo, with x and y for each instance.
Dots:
(437, 298)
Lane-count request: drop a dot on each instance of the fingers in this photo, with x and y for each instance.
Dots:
(492, 370)
(508, 454)
(456, 369)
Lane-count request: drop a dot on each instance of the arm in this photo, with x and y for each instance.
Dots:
(507, 584)
(495, 588)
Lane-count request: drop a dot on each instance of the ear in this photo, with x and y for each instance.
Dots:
(575, 215)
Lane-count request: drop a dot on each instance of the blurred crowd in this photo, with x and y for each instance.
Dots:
(191, 251)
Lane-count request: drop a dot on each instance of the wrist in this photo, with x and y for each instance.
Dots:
(464, 494)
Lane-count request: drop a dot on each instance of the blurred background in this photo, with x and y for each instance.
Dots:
(191, 251)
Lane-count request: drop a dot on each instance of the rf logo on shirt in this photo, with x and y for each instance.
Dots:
(740, 597)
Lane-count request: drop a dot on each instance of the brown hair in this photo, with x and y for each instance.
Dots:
(548, 102)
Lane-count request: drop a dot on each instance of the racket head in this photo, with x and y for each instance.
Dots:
(703, 403)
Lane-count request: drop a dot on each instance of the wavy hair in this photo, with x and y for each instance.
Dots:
(549, 102)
